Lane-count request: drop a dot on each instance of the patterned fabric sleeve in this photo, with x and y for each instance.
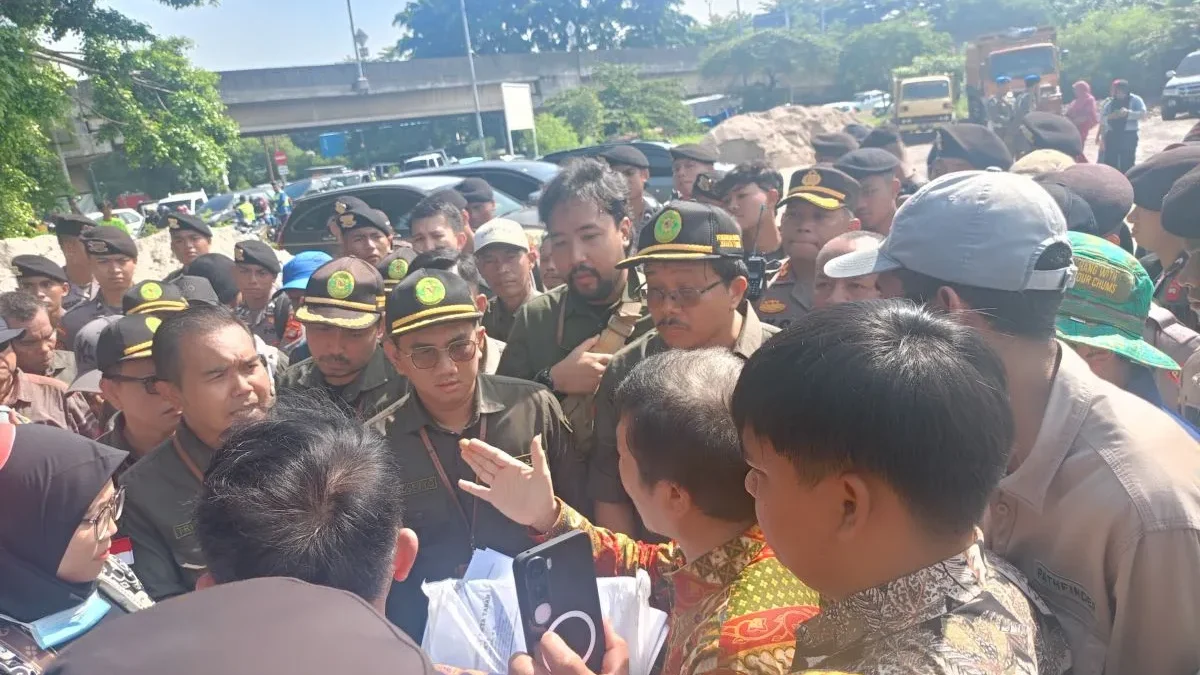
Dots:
(618, 555)
(79, 416)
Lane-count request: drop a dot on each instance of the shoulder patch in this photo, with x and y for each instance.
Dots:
(772, 306)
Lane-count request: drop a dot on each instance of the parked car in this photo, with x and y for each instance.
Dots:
(658, 154)
(220, 208)
(191, 200)
(429, 160)
(522, 179)
(305, 186)
(1181, 94)
(864, 102)
(307, 228)
(133, 220)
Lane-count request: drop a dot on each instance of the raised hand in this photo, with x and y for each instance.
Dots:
(523, 493)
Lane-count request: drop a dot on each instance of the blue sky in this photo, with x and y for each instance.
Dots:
(240, 34)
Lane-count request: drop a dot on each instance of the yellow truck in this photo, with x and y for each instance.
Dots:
(1015, 54)
(922, 104)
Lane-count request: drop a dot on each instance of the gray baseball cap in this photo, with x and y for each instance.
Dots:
(86, 341)
(978, 228)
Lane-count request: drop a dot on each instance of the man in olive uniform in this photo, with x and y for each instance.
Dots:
(503, 258)
(256, 268)
(696, 284)
(206, 366)
(819, 206)
(68, 229)
(1152, 180)
(433, 338)
(341, 314)
(361, 231)
(113, 255)
(44, 279)
(191, 238)
(687, 162)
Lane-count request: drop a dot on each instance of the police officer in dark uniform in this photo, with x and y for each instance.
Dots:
(68, 229)
(341, 313)
(888, 138)
(257, 267)
(42, 278)
(1181, 218)
(708, 188)
(631, 163)
(361, 231)
(830, 147)
(687, 162)
(191, 238)
(113, 255)
(967, 147)
(433, 337)
(875, 171)
(1151, 181)
(1047, 131)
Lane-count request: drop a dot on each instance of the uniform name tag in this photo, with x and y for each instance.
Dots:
(1062, 586)
(185, 529)
(418, 486)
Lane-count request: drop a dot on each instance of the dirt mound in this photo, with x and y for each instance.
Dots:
(781, 136)
(155, 260)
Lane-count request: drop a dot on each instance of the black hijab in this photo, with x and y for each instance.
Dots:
(46, 487)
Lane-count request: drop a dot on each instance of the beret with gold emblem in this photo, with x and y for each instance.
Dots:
(356, 218)
(186, 221)
(38, 266)
(151, 297)
(73, 225)
(255, 252)
(824, 187)
(686, 230)
(109, 241)
(346, 292)
(429, 297)
(394, 267)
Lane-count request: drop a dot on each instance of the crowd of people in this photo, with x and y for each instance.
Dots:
(845, 420)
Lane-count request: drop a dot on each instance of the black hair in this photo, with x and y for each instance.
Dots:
(728, 269)
(434, 205)
(307, 493)
(449, 260)
(194, 321)
(675, 406)
(19, 306)
(891, 389)
(1024, 314)
(758, 173)
(589, 180)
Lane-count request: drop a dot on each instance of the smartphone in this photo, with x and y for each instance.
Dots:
(556, 591)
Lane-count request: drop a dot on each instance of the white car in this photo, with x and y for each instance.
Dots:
(864, 101)
(133, 220)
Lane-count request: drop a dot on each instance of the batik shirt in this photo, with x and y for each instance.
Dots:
(732, 610)
(973, 613)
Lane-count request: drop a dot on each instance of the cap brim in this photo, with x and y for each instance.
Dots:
(665, 257)
(295, 285)
(524, 246)
(860, 263)
(158, 306)
(7, 335)
(435, 320)
(336, 316)
(827, 203)
(1109, 338)
(88, 383)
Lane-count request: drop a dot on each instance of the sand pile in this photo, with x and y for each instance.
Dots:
(781, 136)
(154, 253)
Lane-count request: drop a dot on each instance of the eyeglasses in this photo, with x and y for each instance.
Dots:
(148, 383)
(459, 351)
(684, 297)
(112, 509)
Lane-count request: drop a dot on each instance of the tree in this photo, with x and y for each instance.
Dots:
(720, 29)
(633, 106)
(1136, 43)
(967, 19)
(870, 53)
(554, 134)
(581, 109)
(761, 65)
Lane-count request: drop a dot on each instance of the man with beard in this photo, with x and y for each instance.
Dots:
(503, 258)
(696, 285)
(220, 382)
(191, 238)
(565, 338)
(113, 255)
(340, 313)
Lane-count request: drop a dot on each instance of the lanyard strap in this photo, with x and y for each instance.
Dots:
(187, 460)
(445, 479)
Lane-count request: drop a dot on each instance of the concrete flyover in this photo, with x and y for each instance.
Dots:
(278, 100)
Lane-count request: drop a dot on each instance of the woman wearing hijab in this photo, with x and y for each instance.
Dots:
(58, 512)
(1083, 112)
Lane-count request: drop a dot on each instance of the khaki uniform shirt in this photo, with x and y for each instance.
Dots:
(534, 344)
(44, 400)
(1178, 341)
(84, 313)
(376, 387)
(498, 320)
(62, 367)
(1189, 391)
(604, 480)
(786, 299)
(160, 492)
(1103, 517)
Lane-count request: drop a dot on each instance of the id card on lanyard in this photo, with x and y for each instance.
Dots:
(449, 487)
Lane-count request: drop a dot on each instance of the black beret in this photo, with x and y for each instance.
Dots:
(709, 184)
(866, 162)
(834, 144)
(359, 218)
(345, 203)
(1052, 132)
(449, 196)
(476, 191)
(186, 221)
(73, 224)
(1077, 212)
(696, 153)
(109, 241)
(255, 252)
(858, 131)
(38, 266)
(881, 136)
(625, 155)
(1181, 207)
(1106, 190)
(218, 269)
(973, 143)
(196, 290)
(1153, 178)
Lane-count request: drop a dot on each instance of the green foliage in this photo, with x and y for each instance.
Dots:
(581, 109)
(720, 29)
(872, 52)
(760, 65)
(1120, 43)
(634, 106)
(945, 63)
(967, 19)
(554, 134)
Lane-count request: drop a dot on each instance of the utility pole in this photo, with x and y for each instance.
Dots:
(361, 85)
(462, 7)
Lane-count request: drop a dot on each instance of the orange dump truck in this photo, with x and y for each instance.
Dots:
(1017, 53)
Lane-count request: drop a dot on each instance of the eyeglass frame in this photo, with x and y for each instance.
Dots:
(112, 508)
(440, 350)
(148, 383)
(677, 295)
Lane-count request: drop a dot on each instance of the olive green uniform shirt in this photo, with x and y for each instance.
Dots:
(62, 367)
(375, 388)
(533, 343)
(160, 492)
(498, 320)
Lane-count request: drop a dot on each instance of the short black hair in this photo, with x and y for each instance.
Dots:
(892, 389)
(449, 260)
(193, 321)
(433, 205)
(675, 406)
(589, 180)
(19, 306)
(1024, 314)
(307, 493)
(757, 173)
